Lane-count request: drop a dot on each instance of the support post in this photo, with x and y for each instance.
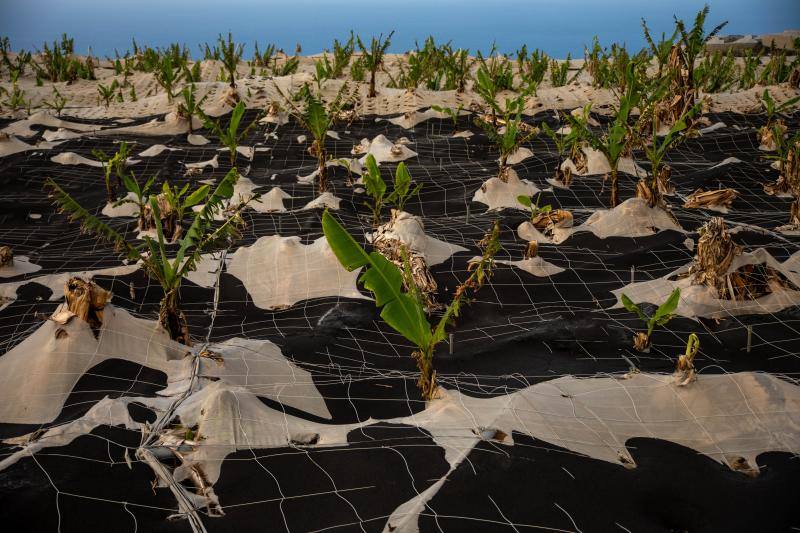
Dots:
(749, 337)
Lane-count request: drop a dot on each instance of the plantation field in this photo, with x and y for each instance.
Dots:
(252, 368)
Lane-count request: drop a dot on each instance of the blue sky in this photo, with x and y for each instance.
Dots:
(557, 26)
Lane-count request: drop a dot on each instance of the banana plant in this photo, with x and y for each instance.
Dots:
(114, 164)
(341, 55)
(566, 143)
(613, 142)
(376, 188)
(140, 193)
(168, 76)
(716, 73)
(508, 133)
(452, 113)
(771, 108)
(559, 72)
(404, 311)
(373, 57)
(56, 103)
(15, 99)
(532, 67)
(191, 107)
(231, 137)
(780, 68)
(262, 60)
(322, 71)
(659, 50)
(487, 89)
(22, 60)
(751, 62)
(358, 69)
(192, 75)
(684, 369)
(498, 68)
(533, 205)
(201, 237)
(325, 69)
(657, 149)
(456, 64)
(106, 92)
(288, 67)
(785, 149)
(318, 117)
(125, 69)
(177, 201)
(231, 54)
(663, 314)
(693, 42)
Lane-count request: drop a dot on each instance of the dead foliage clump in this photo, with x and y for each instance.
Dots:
(641, 341)
(740, 464)
(6, 256)
(86, 301)
(768, 134)
(564, 176)
(779, 187)
(794, 213)
(682, 94)
(397, 252)
(716, 252)
(714, 198)
(170, 224)
(547, 222)
(579, 159)
(789, 183)
(653, 192)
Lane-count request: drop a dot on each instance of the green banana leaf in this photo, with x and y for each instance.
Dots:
(381, 277)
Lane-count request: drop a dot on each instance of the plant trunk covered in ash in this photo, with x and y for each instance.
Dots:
(317, 149)
(684, 369)
(172, 318)
(579, 159)
(794, 213)
(654, 191)
(531, 250)
(503, 172)
(782, 185)
(614, 188)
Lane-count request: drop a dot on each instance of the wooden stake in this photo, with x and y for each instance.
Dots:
(749, 338)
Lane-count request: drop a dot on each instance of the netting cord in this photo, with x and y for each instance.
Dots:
(185, 504)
